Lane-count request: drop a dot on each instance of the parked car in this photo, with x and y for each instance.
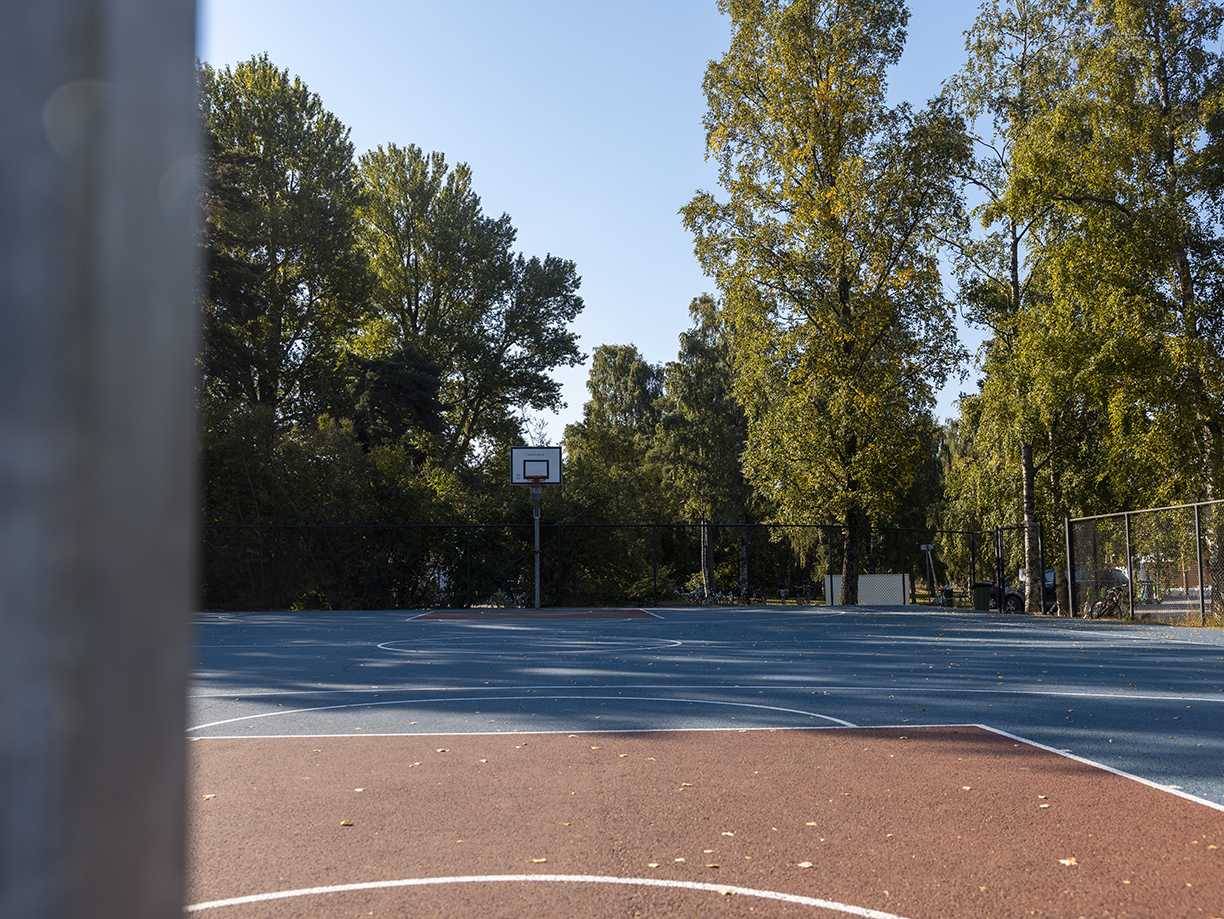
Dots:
(1013, 595)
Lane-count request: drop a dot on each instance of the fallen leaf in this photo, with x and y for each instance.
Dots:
(805, 864)
(358, 789)
(686, 784)
(728, 834)
(596, 748)
(210, 797)
(1068, 861)
(443, 750)
(1042, 797)
(811, 823)
(966, 788)
(622, 755)
(346, 822)
(713, 865)
(679, 860)
(707, 851)
(652, 864)
(537, 861)
(1043, 805)
(727, 893)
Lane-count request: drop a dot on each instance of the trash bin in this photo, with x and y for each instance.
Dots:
(981, 596)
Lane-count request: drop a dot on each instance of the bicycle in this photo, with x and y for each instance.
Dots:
(1108, 606)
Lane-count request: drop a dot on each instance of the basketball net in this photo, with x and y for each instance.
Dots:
(536, 488)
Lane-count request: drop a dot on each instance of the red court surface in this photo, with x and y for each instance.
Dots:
(476, 614)
(913, 822)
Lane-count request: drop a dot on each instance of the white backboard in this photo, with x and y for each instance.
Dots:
(535, 461)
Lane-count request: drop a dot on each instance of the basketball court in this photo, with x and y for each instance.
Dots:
(767, 761)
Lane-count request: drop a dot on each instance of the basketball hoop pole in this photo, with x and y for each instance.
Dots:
(535, 511)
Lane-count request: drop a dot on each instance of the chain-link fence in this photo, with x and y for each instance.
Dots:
(1158, 563)
(419, 566)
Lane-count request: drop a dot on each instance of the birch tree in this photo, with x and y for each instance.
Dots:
(823, 249)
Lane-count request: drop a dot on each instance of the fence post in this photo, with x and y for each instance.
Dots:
(1130, 570)
(999, 573)
(272, 566)
(1041, 561)
(1070, 575)
(369, 585)
(467, 552)
(1198, 552)
(654, 552)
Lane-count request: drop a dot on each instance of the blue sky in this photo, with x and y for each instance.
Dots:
(580, 120)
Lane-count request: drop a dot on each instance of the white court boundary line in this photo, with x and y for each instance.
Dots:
(1065, 754)
(613, 646)
(550, 879)
(251, 694)
(523, 609)
(534, 698)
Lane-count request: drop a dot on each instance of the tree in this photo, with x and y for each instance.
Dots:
(395, 395)
(450, 289)
(1137, 175)
(286, 279)
(702, 433)
(1105, 142)
(609, 470)
(612, 477)
(824, 253)
(1021, 59)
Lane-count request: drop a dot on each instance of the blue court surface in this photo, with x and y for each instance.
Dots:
(1147, 700)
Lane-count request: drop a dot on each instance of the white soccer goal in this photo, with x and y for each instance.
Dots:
(873, 589)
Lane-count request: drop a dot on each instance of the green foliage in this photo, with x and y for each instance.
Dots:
(702, 429)
(286, 278)
(824, 253)
(610, 474)
(450, 289)
(395, 395)
(702, 433)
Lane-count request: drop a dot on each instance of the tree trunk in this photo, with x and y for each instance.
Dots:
(850, 559)
(1033, 578)
(707, 557)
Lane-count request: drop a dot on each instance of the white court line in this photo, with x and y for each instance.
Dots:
(622, 647)
(533, 698)
(1067, 754)
(779, 686)
(575, 609)
(551, 879)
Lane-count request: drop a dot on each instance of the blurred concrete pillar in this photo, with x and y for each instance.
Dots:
(98, 145)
